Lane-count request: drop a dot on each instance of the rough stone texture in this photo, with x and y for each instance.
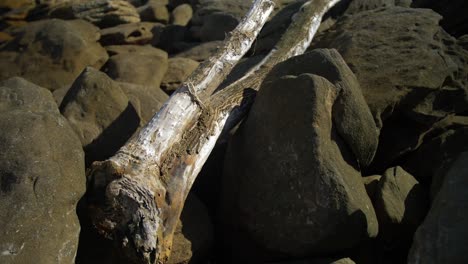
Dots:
(155, 11)
(106, 13)
(411, 72)
(181, 15)
(193, 238)
(401, 204)
(290, 183)
(235, 8)
(15, 4)
(100, 113)
(356, 6)
(442, 238)
(201, 52)
(178, 71)
(135, 33)
(42, 177)
(144, 69)
(352, 117)
(52, 53)
(147, 100)
(171, 37)
(454, 13)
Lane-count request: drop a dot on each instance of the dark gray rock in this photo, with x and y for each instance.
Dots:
(100, 114)
(290, 183)
(42, 177)
(371, 183)
(106, 13)
(401, 204)
(178, 71)
(135, 33)
(412, 73)
(352, 117)
(442, 237)
(215, 26)
(144, 69)
(172, 37)
(135, 49)
(52, 53)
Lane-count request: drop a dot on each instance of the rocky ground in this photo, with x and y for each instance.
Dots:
(354, 152)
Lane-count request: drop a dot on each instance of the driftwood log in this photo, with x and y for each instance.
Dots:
(136, 197)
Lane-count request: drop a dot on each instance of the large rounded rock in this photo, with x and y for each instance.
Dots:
(100, 113)
(135, 33)
(42, 177)
(143, 69)
(181, 15)
(352, 117)
(290, 182)
(52, 53)
(201, 52)
(401, 204)
(442, 238)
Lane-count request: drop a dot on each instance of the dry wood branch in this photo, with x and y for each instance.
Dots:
(136, 197)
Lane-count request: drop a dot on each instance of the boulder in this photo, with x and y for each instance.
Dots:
(442, 237)
(234, 8)
(100, 114)
(356, 6)
(401, 204)
(290, 182)
(178, 71)
(171, 37)
(106, 13)
(144, 69)
(201, 52)
(371, 183)
(52, 53)
(181, 15)
(351, 115)
(42, 177)
(412, 73)
(154, 11)
(215, 26)
(135, 33)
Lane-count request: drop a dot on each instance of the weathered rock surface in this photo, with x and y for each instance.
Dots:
(290, 181)
(371, 183)
(181, 15)
(215, 26)
(52, 53)
(178, 71)
(135, 49)
(401, 204)
(106, 13)
(100, 114)
(135, 33)
(356, 6)
(352, 117)
(144, 69)
(42, 177)
(171, 38)
(235, 8)
(411, 72)
(442, 238)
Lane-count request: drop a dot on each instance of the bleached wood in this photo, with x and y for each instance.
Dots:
(136, 196)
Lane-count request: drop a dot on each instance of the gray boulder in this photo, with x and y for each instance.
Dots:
(201, 52)
(181, 15)
(52, 53)
(42, 177)
(135, 33)
(100, 114)
(442, 237)
(144, 69)
(352, 117)
(290, 182)
(154, 11)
